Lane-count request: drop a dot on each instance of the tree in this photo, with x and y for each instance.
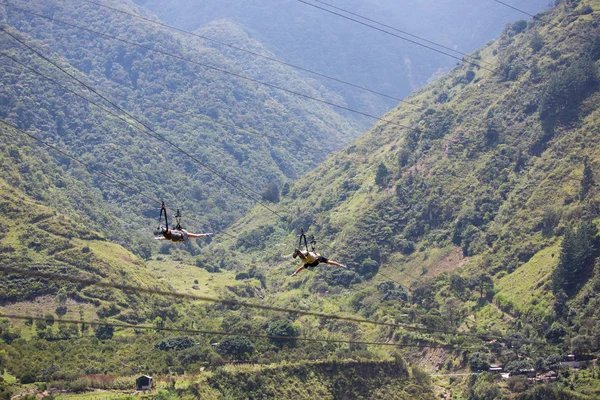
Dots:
(536, 43)
(519, 26)
(577, 254)
(458, 285)
(582, 344)
(49, 319)
(381, 175)
(587, 181)
(518, 365)
(104, 332)
(452, 308)
(61, 296)
(282, 328)
(556, 332)
(271, 193)
(482, 281)
(285, 190)
(2, 360)
(479, 362)
(469, 76)
(174, 343)
(238, 348)
(565, 91)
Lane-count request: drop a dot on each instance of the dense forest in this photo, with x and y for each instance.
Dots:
(254, 135)
(468, 220)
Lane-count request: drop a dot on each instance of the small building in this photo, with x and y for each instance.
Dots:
(144, 382)
(571, 364)
(495, 369)
(550, 376)
(528, 372)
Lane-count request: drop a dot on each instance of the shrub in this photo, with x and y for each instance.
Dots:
(239, 348)
(27, 377)
(536, 42)
(174, 343)
(586, 9)
(519, 26)
(79, 385)
(241, 276)
(283, 328)
(479, 361)
(104, 332)
(565, 91)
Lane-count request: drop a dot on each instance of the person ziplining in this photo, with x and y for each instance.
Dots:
(310, 257)
(175, 235)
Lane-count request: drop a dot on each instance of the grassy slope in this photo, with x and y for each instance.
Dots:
(36, 236)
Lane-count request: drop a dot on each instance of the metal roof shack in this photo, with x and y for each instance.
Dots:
(496, 368)
(144, 382)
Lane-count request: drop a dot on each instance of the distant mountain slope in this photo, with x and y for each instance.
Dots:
(193, 106)
(327, 43)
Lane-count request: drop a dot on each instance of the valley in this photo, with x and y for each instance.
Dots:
(467, 216)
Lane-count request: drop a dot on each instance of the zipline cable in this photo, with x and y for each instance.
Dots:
(113, 179)
(149, 131)
(119, 116)
(210, 120)
(399, 37)
(162, 24)
(403, 32)
(222, 333)
(206, 118)
(99, 172)
(543, 20)
(164, 53)
(229, 302)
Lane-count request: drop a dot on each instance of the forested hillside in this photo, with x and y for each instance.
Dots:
(310, 37)
(250, 134)
(468, 220)
(481, 207)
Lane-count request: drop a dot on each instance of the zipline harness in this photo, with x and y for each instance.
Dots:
(313, 242)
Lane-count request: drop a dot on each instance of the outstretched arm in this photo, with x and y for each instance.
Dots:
(198, 235)
(160, 238)
(299, 269)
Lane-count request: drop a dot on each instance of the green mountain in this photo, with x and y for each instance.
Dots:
(482, 206)
(252, 135)
(468, 224)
